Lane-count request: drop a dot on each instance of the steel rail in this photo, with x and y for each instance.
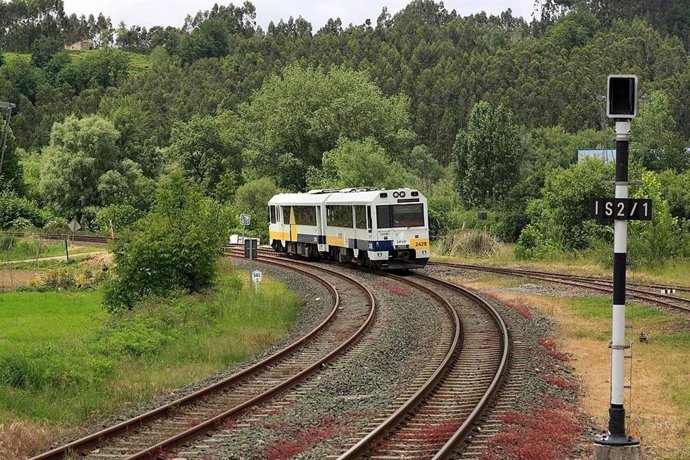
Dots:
(365, 443)
(563, 279)
(195, 430)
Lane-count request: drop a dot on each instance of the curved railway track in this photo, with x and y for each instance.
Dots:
(636, 291)
(458, 386)
(169, 425)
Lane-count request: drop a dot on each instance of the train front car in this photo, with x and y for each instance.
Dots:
(385, 229)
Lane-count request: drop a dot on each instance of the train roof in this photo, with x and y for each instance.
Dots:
(350, 195)
(302, 198)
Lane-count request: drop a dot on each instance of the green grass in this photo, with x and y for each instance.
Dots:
(669, 338)
(138, 62)
(599, 307)
(11, 57)
(64, 360)
(30, 320)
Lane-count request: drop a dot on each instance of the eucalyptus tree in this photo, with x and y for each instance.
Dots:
(488, 153)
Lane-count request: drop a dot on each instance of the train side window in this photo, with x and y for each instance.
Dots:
(369, 217)
(305, 215)
(272, 214)
(360, 217)
(286, 214)
(339, 216)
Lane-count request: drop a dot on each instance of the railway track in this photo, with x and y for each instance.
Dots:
(435, 417)
(63, 237)
(646, 292)
(457, 387)
(167, 426)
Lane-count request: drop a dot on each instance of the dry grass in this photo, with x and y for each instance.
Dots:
(11, 279)
(21, 437)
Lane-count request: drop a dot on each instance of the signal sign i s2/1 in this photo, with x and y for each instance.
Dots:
(621, 208)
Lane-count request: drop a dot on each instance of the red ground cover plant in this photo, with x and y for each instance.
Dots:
(521, 310)
(393, 289)
(439, 432)
(517, 307)
(552, 349)
(561, 383)
(301, 440)
(543, 433)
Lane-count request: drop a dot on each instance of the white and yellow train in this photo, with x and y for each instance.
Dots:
(386, 229)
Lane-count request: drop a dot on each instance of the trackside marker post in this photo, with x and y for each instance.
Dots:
(622, 107)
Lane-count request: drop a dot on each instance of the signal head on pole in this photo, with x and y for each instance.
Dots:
(622, 97)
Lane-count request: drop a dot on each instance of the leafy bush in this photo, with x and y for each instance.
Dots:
(13, 208)
(134, 336)
(174, 247)
(59, 279)
(20, 223)
(7, 242)
(119, 215)
(32, 246)
(663, 237)
(560, 219)
(56, 225)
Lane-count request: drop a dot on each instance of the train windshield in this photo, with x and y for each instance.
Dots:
(400, 215)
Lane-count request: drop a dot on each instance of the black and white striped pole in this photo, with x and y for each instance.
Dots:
(621, 106)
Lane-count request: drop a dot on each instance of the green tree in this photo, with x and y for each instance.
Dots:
(252, 198)
(488, 154)
(82, 167)
(201, 151)
(80, 152)
(357, 163)
(656, 145)
(675, 190)
(560, 218)
(662, 238)
(175, 247)
(10, 167)
(294, 119)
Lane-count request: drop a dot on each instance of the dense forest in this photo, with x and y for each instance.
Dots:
(479, 112)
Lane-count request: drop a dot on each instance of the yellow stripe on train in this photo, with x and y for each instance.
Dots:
(335, 241)
(274, 235)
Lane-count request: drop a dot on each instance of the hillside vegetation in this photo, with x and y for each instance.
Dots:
(479, 112)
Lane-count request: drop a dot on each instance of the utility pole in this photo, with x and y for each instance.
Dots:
(7, 106)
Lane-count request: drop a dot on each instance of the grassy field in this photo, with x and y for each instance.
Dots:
(138, 62)
(28, 248)
(64, 361)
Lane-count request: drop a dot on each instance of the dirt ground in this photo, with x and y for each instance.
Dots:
(11, 279)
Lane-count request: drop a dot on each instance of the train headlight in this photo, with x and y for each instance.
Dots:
(402, 194)
(396, 194)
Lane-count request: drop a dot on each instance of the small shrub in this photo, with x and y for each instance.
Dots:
(7, 242)
(21, 223)
(134, 337)
(56, 225)
(59, 279)
(13, 208)
(469, 243)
